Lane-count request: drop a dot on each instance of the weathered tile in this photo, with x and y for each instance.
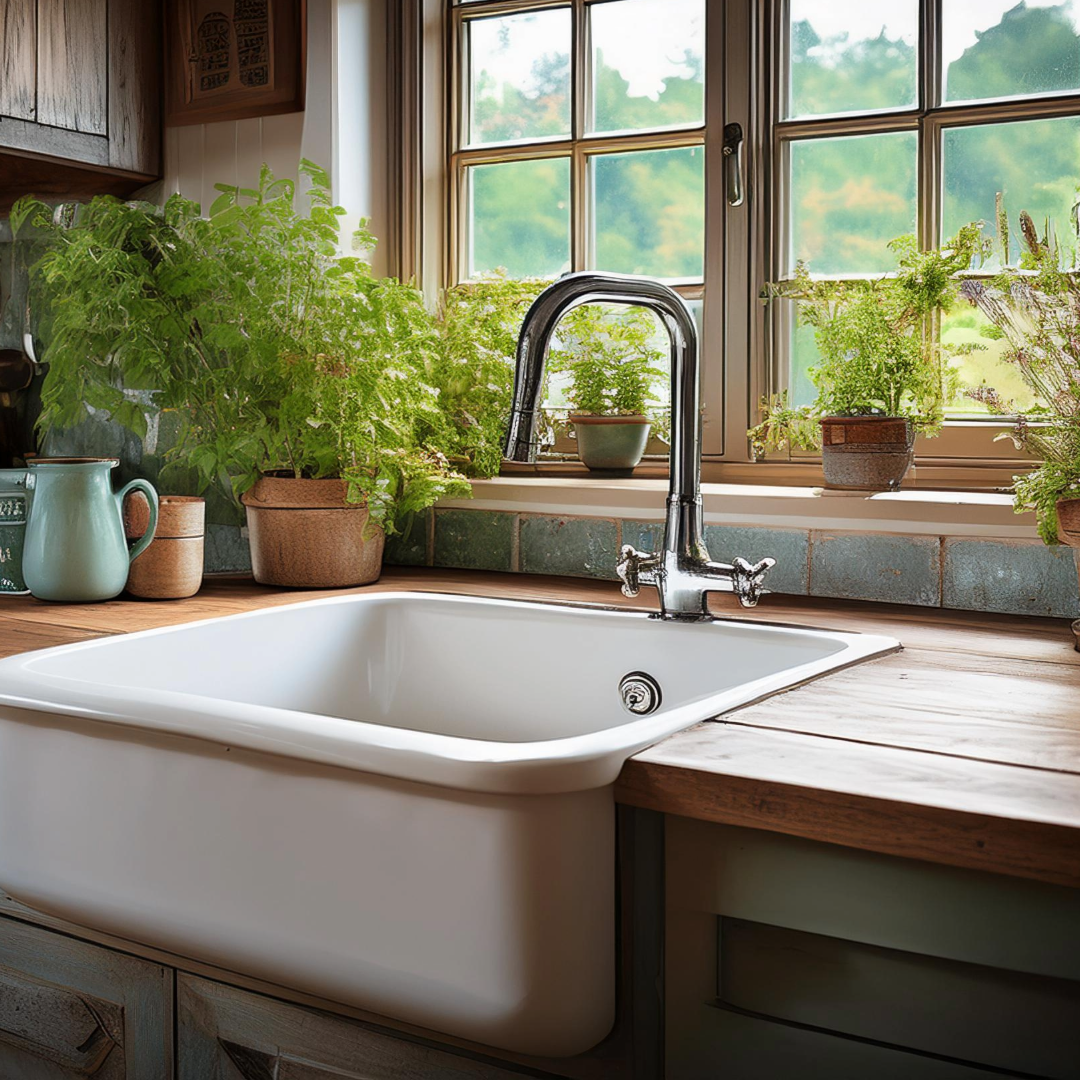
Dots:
(876, 566)
(577, 547)
(474, 539)
(226, 550)
(789, 547)
(410, 546)
(1013, 576)
(643, 535)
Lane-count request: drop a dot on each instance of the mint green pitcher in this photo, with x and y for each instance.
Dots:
(75, 547)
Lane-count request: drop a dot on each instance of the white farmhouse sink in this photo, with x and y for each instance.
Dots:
(398, 801)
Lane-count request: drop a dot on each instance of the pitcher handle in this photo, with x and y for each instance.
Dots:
(152, 498)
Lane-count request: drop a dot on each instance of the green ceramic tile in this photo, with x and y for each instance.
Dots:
(474, 539)
(643, 535)
(1012, 576)
(876, 566)
(410, 546)
(226, 550)
(789, 547)
(576, 547)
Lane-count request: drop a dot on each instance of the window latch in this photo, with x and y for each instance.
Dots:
(733, 178)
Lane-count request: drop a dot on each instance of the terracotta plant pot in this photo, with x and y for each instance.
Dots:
(866, 453)
(171, 568)
(611, 442)
(305, 534)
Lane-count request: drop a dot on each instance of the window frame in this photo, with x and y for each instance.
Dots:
(744, 84)
(965, 443)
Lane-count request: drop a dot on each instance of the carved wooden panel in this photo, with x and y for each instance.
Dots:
(18, 61)
(69, 1009)
(73, 64)
(230, 1034)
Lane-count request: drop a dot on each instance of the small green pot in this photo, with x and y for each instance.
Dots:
(611, 442)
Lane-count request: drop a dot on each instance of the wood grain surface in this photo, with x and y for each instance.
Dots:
(963, 749)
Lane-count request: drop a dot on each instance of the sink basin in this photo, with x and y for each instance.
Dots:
(398, 801)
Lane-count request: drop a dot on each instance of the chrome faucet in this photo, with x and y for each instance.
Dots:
(682, 573)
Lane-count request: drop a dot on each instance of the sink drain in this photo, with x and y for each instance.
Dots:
(640, 693)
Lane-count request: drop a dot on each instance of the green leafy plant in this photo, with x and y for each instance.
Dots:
(878, 354)
(473, 367)
(1034, 308)
(275, 352)
(784, 426)
(613, 364)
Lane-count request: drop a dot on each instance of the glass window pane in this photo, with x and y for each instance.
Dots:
(519, 217)
(852, 57)
(1001, 48)
(849, 197)
(650, 212)
(519, 76)
(1032, 162)
(984, 368)
(648, 64)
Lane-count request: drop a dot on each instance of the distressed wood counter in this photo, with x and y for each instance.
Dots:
(964, 749)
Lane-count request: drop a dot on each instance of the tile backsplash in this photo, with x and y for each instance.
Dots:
(1021, 577)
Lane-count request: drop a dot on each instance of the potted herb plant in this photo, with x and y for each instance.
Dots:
(294, 377)
(882, 377)
(1034, 310)
(613, 367)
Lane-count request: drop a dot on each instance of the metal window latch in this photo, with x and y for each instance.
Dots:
(733, 179)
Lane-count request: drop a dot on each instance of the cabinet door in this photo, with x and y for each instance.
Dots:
(69, 1009)
(230, 1034)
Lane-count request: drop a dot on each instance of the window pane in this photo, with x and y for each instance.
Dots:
(650, 212)
(1001, 48)
(852, 57)
(849, 197)
(648, 64)
(519, 76)
(519, 217)
(1032, 162)
(984, 368)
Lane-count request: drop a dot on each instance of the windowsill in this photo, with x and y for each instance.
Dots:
(911, 511)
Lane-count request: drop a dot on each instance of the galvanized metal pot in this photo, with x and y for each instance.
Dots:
(611, 442)
(867, 453)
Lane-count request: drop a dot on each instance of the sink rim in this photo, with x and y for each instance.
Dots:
(568, 763)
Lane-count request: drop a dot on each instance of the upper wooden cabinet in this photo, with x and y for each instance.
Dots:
(80, 96)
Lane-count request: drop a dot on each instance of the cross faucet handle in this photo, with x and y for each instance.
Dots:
(748, 578)
(629, 567)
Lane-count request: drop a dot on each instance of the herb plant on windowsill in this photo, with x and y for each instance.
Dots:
(882, 376)
(296, 377)
(613, 368)
(1034, 310)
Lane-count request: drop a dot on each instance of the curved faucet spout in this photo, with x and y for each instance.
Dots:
(682, 573)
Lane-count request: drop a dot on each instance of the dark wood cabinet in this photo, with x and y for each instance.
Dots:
(80, 96)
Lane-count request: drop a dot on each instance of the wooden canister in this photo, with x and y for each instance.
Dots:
(171, 568)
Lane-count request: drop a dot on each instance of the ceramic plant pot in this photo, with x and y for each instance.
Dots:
(171, 568)
(866, 453)
(306, 534)
(1068, 511)
(611, 442)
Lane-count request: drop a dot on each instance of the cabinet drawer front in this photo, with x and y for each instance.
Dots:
(969, 1012)
(70, 1009)
(225, 1033)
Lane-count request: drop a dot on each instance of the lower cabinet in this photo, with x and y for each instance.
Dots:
(230, 1034)
(70, 1009)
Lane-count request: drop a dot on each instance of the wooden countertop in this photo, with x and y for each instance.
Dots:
(963, 749)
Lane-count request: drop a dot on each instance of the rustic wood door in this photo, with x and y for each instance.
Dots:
(69, 1009)
(230, 1034)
